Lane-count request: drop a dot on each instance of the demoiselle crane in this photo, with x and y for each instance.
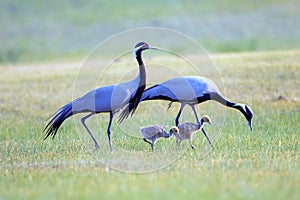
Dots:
(151, 133)
(187, 130)
(192, 90)
(107, 99)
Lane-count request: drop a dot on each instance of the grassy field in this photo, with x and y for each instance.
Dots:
(263, 164)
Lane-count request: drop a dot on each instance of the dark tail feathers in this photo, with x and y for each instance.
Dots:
(58, 118)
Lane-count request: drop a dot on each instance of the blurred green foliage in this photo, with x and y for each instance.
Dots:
(41, 30)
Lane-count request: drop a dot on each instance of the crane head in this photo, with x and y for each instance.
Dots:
(249, 116)
(174, 130)
(141, 46)
(206, 119)
(247, 112)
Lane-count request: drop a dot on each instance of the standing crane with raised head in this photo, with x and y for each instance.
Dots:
(107, 99)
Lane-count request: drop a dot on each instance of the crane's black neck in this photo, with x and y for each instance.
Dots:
(139, 57)
(142, 71)
(217, 97)
(135, 99)
(241, 107)
(136, 96)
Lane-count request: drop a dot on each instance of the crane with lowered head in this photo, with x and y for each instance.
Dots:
(191, 90)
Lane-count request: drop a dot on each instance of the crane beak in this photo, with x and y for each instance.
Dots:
(250, 124)
(152, 47)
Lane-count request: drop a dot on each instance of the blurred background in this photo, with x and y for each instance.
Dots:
(35, 31)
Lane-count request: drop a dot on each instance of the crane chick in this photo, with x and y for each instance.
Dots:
(151, 133)
(187, 130)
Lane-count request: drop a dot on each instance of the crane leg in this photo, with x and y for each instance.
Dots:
(148, 142)
(152, 146)
(88, 130)
(111, 115)
(191, 143)
(195, 113)
(179, 142)
(178, 115)
(206, 137)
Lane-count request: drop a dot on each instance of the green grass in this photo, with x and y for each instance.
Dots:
(263, 164)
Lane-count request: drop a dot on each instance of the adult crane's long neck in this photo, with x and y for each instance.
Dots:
(142, 71)
(219, 98)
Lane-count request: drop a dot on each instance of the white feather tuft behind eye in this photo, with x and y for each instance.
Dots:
(241, 105)
(135, 50)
